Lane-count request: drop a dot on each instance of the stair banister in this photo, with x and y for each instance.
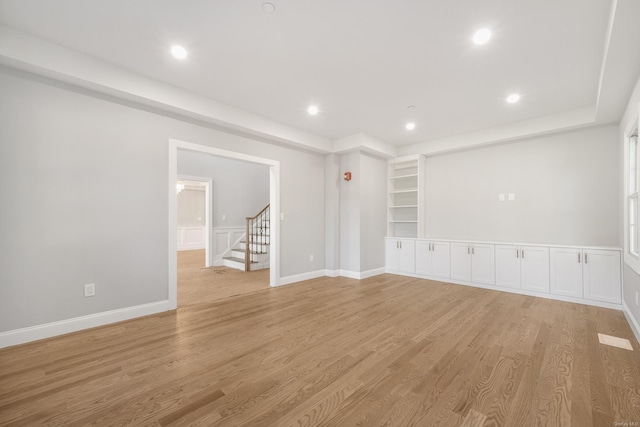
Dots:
(257, 235)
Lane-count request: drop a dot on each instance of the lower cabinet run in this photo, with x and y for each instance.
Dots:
(523, 267)
(586, 273)
(432, 258)
(579, 274)
(401, 255)
(472, 262)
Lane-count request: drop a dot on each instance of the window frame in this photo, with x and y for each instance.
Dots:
(632, 199)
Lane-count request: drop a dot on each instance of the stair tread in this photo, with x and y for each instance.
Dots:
(251, 252)
(231, 258)
(255, 243)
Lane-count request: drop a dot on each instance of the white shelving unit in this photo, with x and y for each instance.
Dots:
(406, 197)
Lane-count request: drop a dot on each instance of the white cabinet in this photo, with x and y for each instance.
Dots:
(432, 258)
(473, 262)
(566, 272)
(522, 267)
(601, 275)
(589, 273)
(400, 255)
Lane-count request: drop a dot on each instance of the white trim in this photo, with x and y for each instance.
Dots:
(350, 274)
(360, 275)
(630, 259)
(633, 323)
(301, 277)
(512, 290)
(274, 201)
(187, 241)
(48, 330)
(332, 273)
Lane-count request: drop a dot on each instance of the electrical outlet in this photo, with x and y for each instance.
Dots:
(89, 290)
(311, 259)
(281, 216)
(501, 197)
(224, 217)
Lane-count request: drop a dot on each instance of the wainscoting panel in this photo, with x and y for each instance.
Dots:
(223, 240)
(191, 238)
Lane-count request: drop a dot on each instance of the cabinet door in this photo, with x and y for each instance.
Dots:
(440, 264)
(566, 272)
(391, 249)
(483, 264)
(508, 266)
(423, 258)
(534, 268)
(407, 256)
(601, 276)
(461, 261)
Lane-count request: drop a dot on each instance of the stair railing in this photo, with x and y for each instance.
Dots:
(257, 236)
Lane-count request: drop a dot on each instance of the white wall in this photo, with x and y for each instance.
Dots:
(566, 188)
(362, 213)
(332, 214)
(240, 189)
(67, 161)
(373, 212)
(191, 207)
(350, 213)
(630, 278)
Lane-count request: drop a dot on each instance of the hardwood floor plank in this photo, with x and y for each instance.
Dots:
(389, 351)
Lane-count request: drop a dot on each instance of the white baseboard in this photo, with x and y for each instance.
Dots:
(300, 277)
(513, 290)
(48, 330)
(332, 273)
(632, 320)
(362, 274)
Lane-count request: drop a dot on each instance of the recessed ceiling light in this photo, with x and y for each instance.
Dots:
(178, 52)
(513, 98)
(482, 36)
(410, 126)
(268, 7)
(313, 110)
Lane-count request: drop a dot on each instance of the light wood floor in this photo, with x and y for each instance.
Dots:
(198, 285)
(388, 350)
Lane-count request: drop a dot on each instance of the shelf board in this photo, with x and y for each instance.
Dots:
(413, 190)
(409, 222)
(403, 206)
(413, 175)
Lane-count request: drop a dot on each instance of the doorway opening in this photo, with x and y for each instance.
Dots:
(194, 220)
(176, 149)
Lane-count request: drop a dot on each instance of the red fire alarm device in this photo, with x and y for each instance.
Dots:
(347, 176)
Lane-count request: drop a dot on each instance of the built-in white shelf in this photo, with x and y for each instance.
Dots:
(411, 190)
(406, 197)
(404, 176)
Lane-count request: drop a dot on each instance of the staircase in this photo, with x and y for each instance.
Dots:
(252, 251)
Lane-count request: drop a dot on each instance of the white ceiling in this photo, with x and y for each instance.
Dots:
(362, 61)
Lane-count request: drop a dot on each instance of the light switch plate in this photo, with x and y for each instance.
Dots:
(512, 196)
(501, 197)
